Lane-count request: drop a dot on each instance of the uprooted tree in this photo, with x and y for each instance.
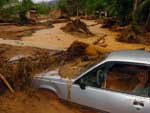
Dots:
(76, 26)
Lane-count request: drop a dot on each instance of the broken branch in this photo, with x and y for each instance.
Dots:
(6, 83)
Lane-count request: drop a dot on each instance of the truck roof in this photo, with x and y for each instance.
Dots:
(139, 56)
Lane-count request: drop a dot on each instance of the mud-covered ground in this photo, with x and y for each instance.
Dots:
(40, 101)
(40, 49)
(15, 32)
(37, 101)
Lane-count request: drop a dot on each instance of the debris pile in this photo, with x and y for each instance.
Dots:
(74, 68)
(80, 55)
(19, 69)
(129, 36)
(77, 26)
(109, 22)
(18, 75)
(76, 49)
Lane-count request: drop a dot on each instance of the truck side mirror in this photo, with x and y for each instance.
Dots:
(82, 84)
(100, 78)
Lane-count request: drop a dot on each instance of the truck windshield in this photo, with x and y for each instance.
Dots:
(91, 65)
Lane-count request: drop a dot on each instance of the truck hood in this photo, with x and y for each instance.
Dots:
(53, 75)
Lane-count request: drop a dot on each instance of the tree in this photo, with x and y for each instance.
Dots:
(71, 7)
(24, 7)
(62, 4)
(122, 9)
(141, 16)
(42, 8)
(126, 12)
(3, 2)
(9, 10)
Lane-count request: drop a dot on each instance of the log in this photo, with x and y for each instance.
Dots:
(93, 50)
(102, 49)
(6, 83)
(100, 39)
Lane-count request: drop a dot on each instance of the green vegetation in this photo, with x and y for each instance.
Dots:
(122, 9)
(25, 5)
(141, 16)
(133, 12)
(62, 4)
(10, 9)
(42, 8)
(3, 2)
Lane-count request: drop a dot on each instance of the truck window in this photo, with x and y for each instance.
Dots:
(129, 78)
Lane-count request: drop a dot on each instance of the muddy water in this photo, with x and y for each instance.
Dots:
(49, 38)
(56, 39)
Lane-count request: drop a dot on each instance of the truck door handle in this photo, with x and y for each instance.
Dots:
(138, 105)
